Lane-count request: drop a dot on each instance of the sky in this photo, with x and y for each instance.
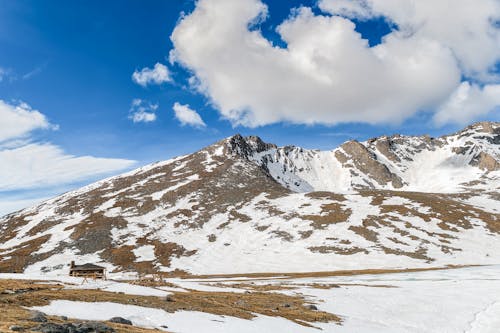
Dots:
(89, 89)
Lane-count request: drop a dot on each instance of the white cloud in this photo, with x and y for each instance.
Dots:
(467, 27)
(142, 111)
(467, 103)
(19, 120)
(187, 116)
(328, 73)
(25, 164)
(348, 8)
(39, 165)
(157, 75)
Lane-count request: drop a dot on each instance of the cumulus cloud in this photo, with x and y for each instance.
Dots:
(464, 26)
(25, 164)
(328, 73)
(157, 75)
(467, 103)
(20, 119)
(188, 116)
(142, 111)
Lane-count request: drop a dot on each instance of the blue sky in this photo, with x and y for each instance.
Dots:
(73, 61)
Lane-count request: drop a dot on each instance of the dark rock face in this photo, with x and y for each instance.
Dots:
(54, 328)
(246, 147)
(485, 161)
(120, 320)
(385, 146)
(365, 161)
(93, 326)
(86, 327)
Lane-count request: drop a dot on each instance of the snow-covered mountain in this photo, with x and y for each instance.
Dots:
(459, 162)
(242, 205)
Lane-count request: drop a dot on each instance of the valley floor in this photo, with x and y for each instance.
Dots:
(447, 300)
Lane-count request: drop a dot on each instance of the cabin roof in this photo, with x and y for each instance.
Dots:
(86, 267)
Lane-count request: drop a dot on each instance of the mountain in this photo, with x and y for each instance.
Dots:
(242, 205)
(458, 162)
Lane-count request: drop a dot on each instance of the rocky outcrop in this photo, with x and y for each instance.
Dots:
(85, 327)
(385, 146)
(247, 146)
(120, 320)
(358, 156)
(485, 161)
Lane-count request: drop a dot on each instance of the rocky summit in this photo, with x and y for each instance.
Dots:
(242, 205)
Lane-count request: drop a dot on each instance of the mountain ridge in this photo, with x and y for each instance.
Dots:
(242, 205)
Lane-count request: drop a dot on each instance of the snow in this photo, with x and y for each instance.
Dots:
(440, 301)
(185, 181)
(178, 322)
(435, 169)
(484, 202)
(261, 244)
(80, 283)
(486, 320)
(144, 253)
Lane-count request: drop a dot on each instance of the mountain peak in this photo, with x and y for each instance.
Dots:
(486, 127)
(247, 146)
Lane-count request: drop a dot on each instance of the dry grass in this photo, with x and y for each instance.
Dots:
(245, 305)
(253, 287)
(20, 256)
(13, 313)
(337, 250)
(321, 274)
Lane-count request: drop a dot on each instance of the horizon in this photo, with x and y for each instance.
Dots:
(86, 94)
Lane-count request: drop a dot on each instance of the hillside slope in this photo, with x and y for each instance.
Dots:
(242, 205)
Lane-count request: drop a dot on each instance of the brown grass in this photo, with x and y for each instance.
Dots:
(252, 286)
(13, 313)
(239, 305)
(323, 274)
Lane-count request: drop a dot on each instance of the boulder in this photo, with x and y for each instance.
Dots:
(93, 327)
(38, 317)
(120, 320)
(52, 328)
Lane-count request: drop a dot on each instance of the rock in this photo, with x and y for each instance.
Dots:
(52, 328)
(16, 328)
(120, 320)
(64, 318)
(486, 162)
(287, 305)
(169, 298)
(92, 327)
(312, 307)
(86, 327)
(38, 317)
(359, 157)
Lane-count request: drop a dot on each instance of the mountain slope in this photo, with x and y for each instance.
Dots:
(242, 205)
(460, 162)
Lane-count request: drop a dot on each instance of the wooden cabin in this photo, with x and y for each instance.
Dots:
(87, 271)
